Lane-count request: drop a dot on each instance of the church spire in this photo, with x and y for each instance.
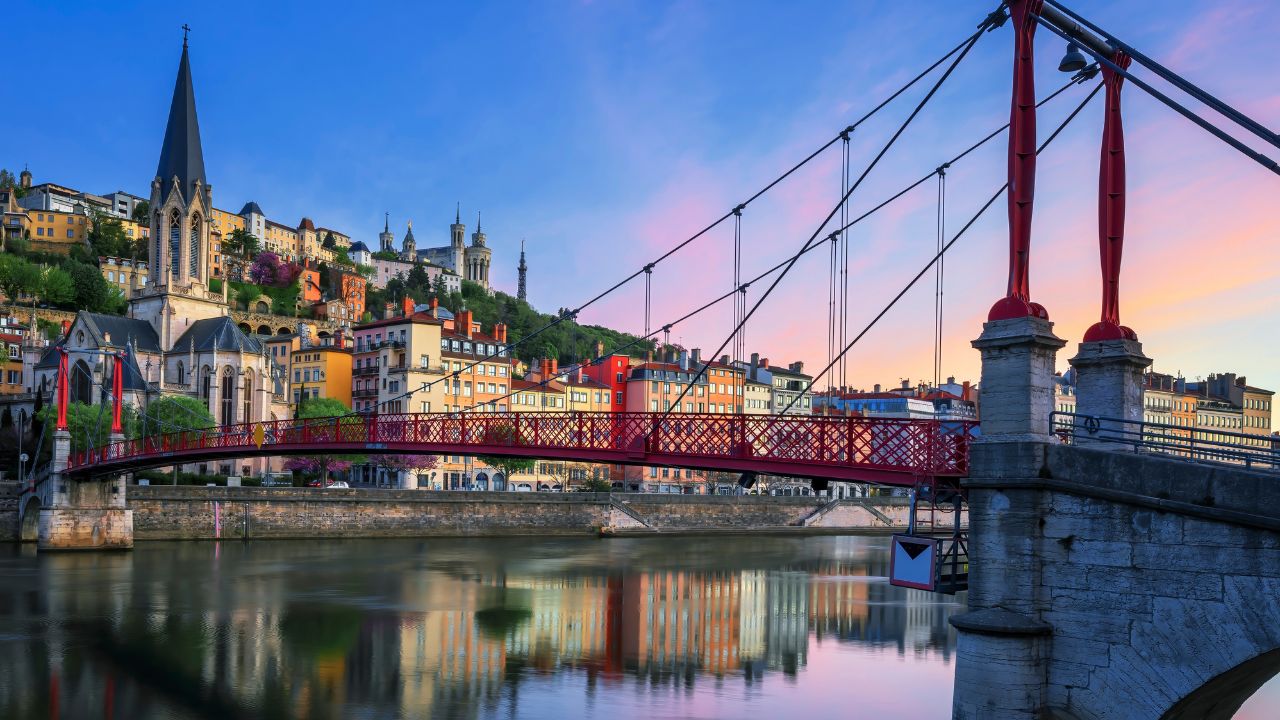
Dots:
(386, 223)
(457, 214)
(181, 155)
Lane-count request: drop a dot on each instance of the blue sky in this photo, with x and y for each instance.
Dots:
(603, 132)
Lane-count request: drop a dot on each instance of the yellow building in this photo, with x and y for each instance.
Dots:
(56, 232)
(320, 372)
(124, 273)
(280, 239)
(221, 224)
(11, 380)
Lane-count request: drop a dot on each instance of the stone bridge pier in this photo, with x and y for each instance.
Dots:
(81, 514)
(1106, 583)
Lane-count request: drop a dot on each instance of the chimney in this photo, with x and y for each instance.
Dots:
(695, 356)
(764, 363)
(951, 379)
(464, 322)
(435, 307)
(500, 332)
(797, 366)
(684, 360)
(389, 310)
(724, 359)
(66, 328)
(965, 390)
(648, 356)
(406, 307)
(544, 368)
(599, 347)
(555, 366)
(877, 387)
(906, 384)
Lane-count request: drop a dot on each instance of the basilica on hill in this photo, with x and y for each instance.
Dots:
(470, 262)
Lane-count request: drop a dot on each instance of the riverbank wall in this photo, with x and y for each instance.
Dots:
(203, 513)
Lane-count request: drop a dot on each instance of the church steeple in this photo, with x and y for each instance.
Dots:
(521, 290)
(181, 155)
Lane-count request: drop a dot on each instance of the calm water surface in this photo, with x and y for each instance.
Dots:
(509, 628)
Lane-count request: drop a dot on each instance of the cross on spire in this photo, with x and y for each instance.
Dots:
(185, 29)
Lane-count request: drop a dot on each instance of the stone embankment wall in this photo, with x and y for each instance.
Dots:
(184, 512)
(9, 491)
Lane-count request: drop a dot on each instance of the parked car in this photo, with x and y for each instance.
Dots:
(338, 484)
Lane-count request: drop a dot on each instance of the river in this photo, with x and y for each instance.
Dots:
(674, 627)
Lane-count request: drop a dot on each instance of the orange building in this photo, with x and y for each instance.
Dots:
(350, 288)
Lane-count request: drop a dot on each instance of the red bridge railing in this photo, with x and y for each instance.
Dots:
(828, 447)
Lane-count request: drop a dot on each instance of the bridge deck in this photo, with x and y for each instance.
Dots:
(879, 450)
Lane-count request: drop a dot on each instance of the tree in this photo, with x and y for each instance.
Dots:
(92, 291)
(327, 409)
(107, 237)
(89, 425)
(17, 277)
(142, 212)
(505, 434)
(246, 294)
(55, 286)
(595, 484)
(7, 180)
(174, 413)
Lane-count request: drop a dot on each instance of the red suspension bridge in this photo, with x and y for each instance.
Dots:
(884, 451)
(888, 451)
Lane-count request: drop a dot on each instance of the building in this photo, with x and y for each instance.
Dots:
(59, 199)
(55, 231)
(469, 262)
(612, 371)
(179, 338)
(320, 372)
(787, 385)
(124, 273)
(123, 204)
(12, 375)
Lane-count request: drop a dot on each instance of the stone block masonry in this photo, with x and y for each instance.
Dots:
(190, 513)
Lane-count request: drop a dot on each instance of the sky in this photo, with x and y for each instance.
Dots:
(603, 133)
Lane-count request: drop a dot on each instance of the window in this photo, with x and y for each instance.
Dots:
(70, 233)
(653, 406)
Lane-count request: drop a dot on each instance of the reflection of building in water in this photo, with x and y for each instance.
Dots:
(753, 617)
(567, 621)
(675, 622)
(446, 661)
(787, 626)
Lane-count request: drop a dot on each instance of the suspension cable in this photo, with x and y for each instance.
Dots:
(992, 20)
(1209, 127)
(843, 300)
(1175, 79)
(945, 248)
(791, 263)
(941, 228)
(1079, 78)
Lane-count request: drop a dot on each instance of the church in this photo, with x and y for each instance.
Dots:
(179, 338)
(471, 262)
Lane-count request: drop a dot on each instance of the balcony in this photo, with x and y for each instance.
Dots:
(365, 393)
(367, 370)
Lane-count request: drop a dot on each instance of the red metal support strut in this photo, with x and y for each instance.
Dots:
(60, 392)
(117, 392)
(1022, 166)
(1111, 184)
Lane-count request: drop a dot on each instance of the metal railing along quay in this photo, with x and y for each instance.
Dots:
(1254, 452)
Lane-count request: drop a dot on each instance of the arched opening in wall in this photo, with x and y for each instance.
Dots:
(482, 481)
(283, 331)
(247, 398)
(264, 329)
(262, 307)
(245, 327)
(206, 383)
(30, 529)
(175, 243)
(1223, 697)
(228, 386)
(81, 390)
